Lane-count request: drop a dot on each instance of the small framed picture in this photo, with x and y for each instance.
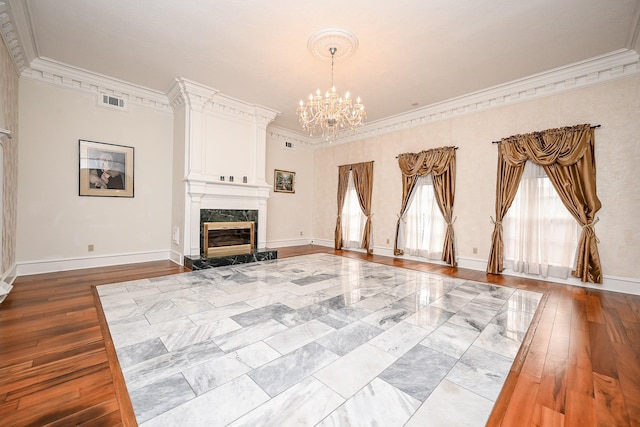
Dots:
(284, 181)
(105, 169)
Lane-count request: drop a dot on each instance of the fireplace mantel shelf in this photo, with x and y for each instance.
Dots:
(228, 189)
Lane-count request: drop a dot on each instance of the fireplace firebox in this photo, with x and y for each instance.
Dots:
(228, 238)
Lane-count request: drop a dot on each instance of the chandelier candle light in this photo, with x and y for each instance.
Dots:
(331, 113)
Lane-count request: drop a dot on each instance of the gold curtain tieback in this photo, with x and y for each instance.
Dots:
(452, 222)
(590, 227)
(494, 222)
(402, 218)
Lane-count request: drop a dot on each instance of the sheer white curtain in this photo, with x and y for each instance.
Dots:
(353, 220)
(424, 226)
(540, 235)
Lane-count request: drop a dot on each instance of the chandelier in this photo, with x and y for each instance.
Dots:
(332, 113)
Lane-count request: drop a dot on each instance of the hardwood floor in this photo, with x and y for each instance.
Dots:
(54, 368)
(579, 365)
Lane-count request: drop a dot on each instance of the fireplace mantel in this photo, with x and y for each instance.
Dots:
(210, 194)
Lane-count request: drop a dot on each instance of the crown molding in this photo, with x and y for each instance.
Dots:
(200, 98)
(59, 74)
(614, 65)
(11, 36)
(16, 31)
(285, 135)
(189, 93)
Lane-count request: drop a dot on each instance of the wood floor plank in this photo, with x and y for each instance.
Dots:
(553, 384)
(594, 304)
(519, 409)
(602, 357)
(610, 406)
(547, 417)
(579, 369)
(581, 410)
(615, 327)
(560, 334)
(628, 362)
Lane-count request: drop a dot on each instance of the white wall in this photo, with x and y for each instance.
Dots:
(290, 214)
(54, 223)
(614, 105)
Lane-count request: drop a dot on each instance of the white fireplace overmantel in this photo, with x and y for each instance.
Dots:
(220, 136)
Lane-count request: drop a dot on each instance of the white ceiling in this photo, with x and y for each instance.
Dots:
(412, 53)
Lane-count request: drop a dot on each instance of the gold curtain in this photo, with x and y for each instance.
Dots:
(363, 181)
(441, 162)
(343, 183)
(567, 155)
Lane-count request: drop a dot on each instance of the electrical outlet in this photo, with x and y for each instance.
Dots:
(90, 248)
(475, 250)
(175, 237)
(387, 241)
(301, 233)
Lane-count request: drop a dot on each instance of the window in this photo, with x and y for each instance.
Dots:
(353, 220)
(425, 226)
(540, 235)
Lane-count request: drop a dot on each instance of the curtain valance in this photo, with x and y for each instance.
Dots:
(436, 161)
(564, 146)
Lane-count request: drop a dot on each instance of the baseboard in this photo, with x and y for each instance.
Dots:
(322, 242)
(289, 242)
(627, 285)
(478, 264)
(49, 266)
(176, 257)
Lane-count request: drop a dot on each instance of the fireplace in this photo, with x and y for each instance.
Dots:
(229, 216)
(228, 238)
(234, 239)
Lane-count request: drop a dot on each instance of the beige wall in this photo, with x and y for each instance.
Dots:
(290, 214)
(54, 222)
(9, 120)
(614, 105)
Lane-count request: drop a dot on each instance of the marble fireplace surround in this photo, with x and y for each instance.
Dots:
(201, 261)
(228, 215)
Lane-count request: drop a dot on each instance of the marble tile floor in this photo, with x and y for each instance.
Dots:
(314, 340)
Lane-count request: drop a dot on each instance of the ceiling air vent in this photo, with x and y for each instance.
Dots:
(111, 101)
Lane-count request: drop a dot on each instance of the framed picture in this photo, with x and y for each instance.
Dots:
(284, 181)
(105, 169)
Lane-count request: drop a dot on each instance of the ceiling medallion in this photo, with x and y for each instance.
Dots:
(330, 114)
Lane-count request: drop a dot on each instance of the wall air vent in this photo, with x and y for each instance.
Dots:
(111, 101)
